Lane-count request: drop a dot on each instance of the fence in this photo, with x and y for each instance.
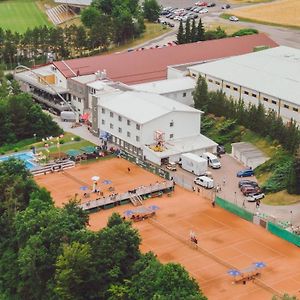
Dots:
(145, 165)
(234, 209)
(284, 234)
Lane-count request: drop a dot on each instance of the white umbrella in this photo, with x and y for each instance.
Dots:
(95, 178)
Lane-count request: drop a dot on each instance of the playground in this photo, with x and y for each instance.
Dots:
(224, 241)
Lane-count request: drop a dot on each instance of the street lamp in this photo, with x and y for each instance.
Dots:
(291, 212)
(235, 198)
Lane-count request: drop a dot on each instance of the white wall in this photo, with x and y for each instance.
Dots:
(185, 124)
(148, 153)
(78, 103)
(184, 97)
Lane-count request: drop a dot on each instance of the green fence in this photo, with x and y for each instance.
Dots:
(234, 209)
(145, 165)
(284, 234)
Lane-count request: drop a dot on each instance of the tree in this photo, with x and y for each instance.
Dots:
(200, 94)
(200, 31)
(187, 31)
(89, 16)
(151, 10)
(180, 34)
(293, 186)
(193, 32)
(74, 272)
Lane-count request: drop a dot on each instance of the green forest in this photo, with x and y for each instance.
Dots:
(47, 252)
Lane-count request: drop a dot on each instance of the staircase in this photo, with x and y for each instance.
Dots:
(136, 200)
(59, 14)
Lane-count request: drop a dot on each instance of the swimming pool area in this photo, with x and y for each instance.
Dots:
(27, 157)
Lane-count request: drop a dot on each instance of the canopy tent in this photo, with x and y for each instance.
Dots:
(88, 149)
(73, 152)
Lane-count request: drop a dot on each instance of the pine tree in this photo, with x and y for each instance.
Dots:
(180, 34)
(187, 32)
(193, 32)
(200, 31)
(200, 94)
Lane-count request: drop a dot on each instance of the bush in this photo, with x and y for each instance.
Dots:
(61, 142)
(245, 31)
(77, 138)
(16, 149)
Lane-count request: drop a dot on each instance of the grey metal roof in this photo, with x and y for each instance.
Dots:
(75, 2)
(275, 72)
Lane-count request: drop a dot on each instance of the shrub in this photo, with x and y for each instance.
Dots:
(77, 138)
(61, 142)
(16, 149)
(245, 31)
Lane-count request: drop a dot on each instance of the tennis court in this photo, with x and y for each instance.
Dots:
(224, 240)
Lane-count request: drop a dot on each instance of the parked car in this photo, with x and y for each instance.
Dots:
(211, 4)
(245, 173)
(233, 19)
(255, 197)
(171, 166)
(203, 11)
(204, 181)
(247, 190)
(201, 3)
(225, 6)
(247, 182)
(221, 149)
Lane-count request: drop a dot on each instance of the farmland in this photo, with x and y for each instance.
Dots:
(282, 12)
(18, 15)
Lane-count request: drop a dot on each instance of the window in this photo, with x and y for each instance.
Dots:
(228, 86)
(246, 93)
(102, 122)
(120, 118)
(286, 106)
(111, 114)
(266, 99)
(128, 134)
(111, 126)
(235, 88)
(171, 135)
(194, 75)
(137, 138)
(184, 95)
(210, 80)
(120, 129)
(218, 83)
(172, 123)
(295, 109)
(74, 97)
(128, 122)
(103, 110)
(138, 126)
(79, 100)
(274, 102)
(254, 95)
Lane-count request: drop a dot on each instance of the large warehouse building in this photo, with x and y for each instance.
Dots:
(271, 77)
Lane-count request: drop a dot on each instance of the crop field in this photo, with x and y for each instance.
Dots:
(282, 12)
(18, 15)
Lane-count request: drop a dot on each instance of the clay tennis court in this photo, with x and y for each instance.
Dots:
(226, 239)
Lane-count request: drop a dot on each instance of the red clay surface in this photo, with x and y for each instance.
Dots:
(222, 234)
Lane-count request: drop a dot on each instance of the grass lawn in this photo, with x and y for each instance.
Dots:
(281, 198)
(18, 15)
(229, 28)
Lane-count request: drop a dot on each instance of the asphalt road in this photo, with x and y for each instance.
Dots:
(281, 35)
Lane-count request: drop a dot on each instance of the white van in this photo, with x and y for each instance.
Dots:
(204, 181)
(212, 160)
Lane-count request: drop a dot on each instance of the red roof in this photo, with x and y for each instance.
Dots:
(151, 64)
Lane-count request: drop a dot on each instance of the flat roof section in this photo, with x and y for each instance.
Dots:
(151, 64)
(274, 72)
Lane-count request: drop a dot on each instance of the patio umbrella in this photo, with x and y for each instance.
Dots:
(128, 213)
(234, 272)
(259, 264)
(84, 188)
(106, 181)
(95, 178)
(153, 207)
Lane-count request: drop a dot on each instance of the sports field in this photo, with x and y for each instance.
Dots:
(281, 12)
(225, 241)
(18, 15)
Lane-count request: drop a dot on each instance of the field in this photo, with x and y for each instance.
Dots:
(225, 241)
(18, 15)
(249, 1)
(282, 12)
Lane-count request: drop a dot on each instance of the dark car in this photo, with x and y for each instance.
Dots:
(245, 173)
(248, 190)
(221, 149)
(247, 182)
(211, 4)
(226, 6)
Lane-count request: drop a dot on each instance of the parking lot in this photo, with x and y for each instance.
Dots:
(230, 190)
